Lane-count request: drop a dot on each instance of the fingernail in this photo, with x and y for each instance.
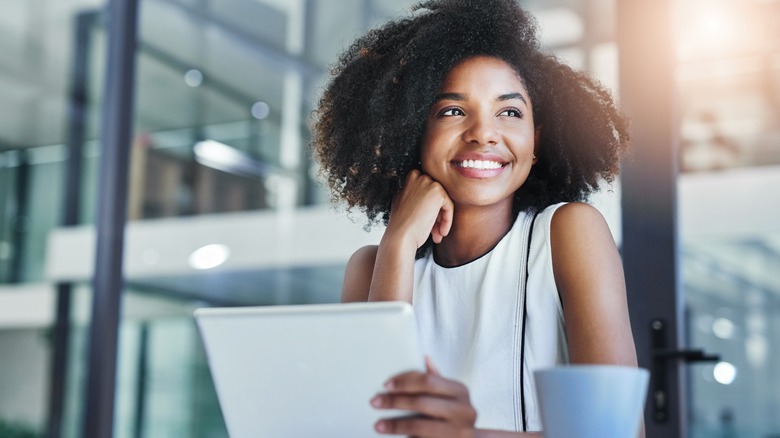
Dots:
(380, 426)
(389, 385)
(376, 402)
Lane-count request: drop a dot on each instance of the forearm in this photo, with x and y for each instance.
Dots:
(393, 275)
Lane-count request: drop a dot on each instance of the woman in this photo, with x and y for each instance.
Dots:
(477, 151)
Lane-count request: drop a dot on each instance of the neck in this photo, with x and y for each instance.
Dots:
(474, 232)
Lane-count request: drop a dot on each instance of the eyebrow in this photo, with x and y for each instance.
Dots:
(511, 96)
(462, 97)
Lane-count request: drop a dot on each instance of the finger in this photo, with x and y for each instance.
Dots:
(435, 234)
(430, 367)
(446, 212)
(451, 410)
(416, 426)
(414, 173)
(436, 230)
(415, 382)
(408, 182)
(443, 224)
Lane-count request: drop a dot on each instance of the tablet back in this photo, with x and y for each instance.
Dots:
(309, 370)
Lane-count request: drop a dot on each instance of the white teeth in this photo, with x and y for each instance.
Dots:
(480, 164)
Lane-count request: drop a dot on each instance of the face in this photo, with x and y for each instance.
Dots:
(479, 136)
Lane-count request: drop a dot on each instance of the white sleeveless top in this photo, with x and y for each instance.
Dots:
(470, 319)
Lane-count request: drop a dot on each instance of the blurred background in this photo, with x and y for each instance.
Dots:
(225, 207)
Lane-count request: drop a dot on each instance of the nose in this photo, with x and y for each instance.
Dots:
(482, 130)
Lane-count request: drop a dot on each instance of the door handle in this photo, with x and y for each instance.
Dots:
(686, 355)
(661, 355)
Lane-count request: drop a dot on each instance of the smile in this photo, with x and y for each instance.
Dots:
(479, 164)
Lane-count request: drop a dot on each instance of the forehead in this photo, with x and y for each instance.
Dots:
(484, 72)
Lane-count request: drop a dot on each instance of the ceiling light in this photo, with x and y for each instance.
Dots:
(260, 110)
(724, 373)
(193, 78)
(209, 256)
(723, 328)
(226, 158)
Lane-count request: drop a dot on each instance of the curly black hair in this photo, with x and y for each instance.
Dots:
(371, 118)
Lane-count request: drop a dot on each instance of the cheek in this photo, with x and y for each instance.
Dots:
(524, 140)
(426, 160)
(429, 146)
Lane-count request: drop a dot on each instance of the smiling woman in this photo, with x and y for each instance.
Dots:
(474, 148)
(372, 116)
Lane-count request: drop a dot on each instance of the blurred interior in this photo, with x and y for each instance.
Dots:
(226, 208)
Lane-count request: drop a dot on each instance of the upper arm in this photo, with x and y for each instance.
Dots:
(589, 276)
(357, 277)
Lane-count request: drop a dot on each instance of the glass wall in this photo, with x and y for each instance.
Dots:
(163, 383)
(36, 42)
(729, 85)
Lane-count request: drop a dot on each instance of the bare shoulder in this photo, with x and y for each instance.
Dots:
(579, 228)
(580, 241)
(576, 217)
(589, 276)
(357, 277)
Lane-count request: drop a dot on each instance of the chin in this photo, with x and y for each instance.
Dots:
(481, 201)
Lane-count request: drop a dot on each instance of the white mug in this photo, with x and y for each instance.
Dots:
(591, 401)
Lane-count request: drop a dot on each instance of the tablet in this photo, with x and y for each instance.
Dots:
(309, 370)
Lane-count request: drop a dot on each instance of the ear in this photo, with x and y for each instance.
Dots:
(537, 142)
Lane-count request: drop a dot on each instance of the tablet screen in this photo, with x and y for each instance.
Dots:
(308, 370)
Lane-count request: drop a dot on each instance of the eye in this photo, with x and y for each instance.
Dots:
(511, 112)
(452, 112)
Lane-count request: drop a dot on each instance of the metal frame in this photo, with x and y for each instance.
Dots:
(116, 131)
(141, 378)
(77, 124)
(20, 221)
(650, 241)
